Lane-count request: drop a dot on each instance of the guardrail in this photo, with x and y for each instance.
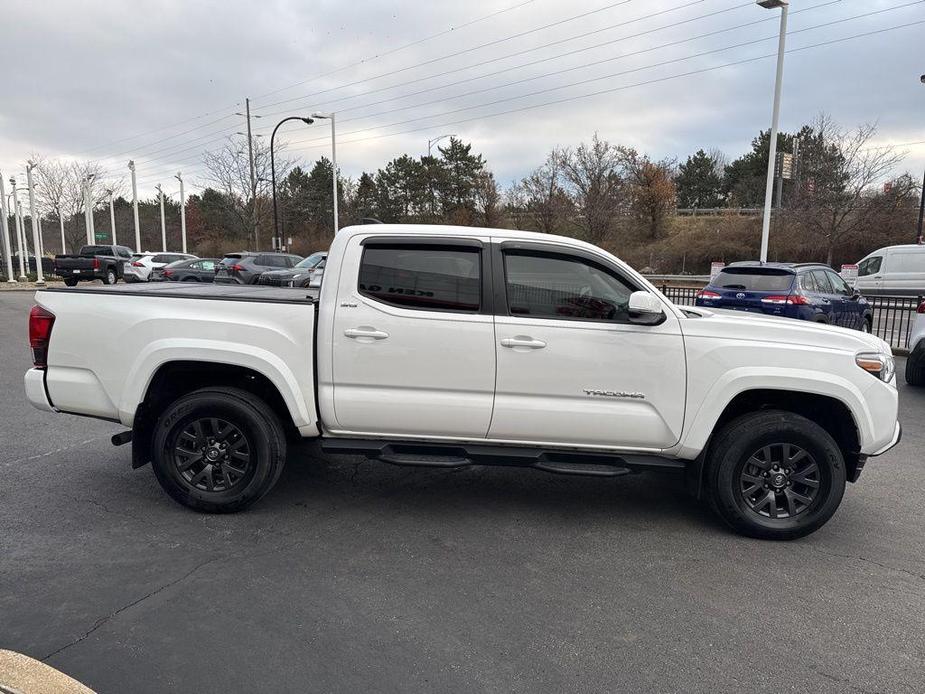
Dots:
(893, 316)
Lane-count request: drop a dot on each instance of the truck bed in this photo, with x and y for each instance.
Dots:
(195, 290)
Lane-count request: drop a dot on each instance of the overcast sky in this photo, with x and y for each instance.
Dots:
(105, 80)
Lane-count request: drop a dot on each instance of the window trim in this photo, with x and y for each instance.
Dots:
(486, 303)
(570, 254)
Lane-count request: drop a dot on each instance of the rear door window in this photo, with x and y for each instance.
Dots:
(807, 283)
(428, 278)
(754, 279)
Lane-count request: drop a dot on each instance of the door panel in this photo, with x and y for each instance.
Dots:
(831, 305)
(587, 377)
(406, 369)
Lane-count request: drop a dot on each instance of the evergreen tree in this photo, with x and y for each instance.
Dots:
(698, 183)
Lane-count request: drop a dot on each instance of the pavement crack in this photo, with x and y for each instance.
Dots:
(48, 454)
(104, 620)
(872, 561)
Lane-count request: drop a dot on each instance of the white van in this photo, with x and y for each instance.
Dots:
(893, 271)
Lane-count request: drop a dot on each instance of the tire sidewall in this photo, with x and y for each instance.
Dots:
(253, 426)
(795, 430)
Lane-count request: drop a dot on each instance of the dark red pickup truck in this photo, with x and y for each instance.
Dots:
(93, 263)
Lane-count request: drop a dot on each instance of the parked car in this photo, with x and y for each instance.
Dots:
(246, 267)
(298, 276)
(808, 291)
(452, 346)
(893, 271)
(194, 270)
(142, 264)
(92, 263)
(915, 363)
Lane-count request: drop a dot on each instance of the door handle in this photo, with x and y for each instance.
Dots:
(522, 341)
(366, 332)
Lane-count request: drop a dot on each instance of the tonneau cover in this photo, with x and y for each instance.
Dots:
(196, 290)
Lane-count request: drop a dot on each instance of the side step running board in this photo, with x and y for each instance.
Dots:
(428, 454)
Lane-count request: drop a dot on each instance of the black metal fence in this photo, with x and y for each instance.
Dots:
(893, 315)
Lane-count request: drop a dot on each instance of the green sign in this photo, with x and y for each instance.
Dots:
(100, 237)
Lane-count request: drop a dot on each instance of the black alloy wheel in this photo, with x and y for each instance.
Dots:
(213, 455)
(780, 480)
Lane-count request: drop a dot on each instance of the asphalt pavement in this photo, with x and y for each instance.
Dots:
(358, 576)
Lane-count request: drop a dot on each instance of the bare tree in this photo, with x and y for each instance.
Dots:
(542, 195)
(487, 200)
(60, 191)
(651, 190)
(837, 200)
(595, 184)
(229, 171)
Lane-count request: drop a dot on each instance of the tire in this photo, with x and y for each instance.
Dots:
(915, 367)
(231, 484)
(70, 282)
(868, 326)
(774, 510)
(110, 277)
(190, 279)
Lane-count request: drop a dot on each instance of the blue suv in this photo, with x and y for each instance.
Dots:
(809, 291)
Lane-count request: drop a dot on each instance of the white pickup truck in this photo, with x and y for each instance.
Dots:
(448, 346)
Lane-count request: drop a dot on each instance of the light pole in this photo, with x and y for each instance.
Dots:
(160, 197)
(88, 203)
(330, 116)
(918, 236)
(112, 216)
(775, 116)
(61, 224)
(179, 177)
(36, 242)
(5, 227)
(20, 236)
(250, 155)
(431, 143)
(131, 167)
(307, 121)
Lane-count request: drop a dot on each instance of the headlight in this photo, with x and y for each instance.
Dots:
(880, 365)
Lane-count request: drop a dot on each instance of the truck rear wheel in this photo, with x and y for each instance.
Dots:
(775, 475)
(69, 282)
(110, 277)
(218, 450)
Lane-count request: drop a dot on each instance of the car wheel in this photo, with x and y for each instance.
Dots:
(189, 279)
(110, 277)
(218, 450)
(867, 326)
(775, 475)
(69, 282)
(915, 367)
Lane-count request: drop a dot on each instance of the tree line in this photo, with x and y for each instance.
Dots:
(843, 199)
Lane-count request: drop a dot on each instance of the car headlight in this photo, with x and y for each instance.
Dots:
(880, 365)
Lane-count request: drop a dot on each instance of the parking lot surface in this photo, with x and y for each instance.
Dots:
(358, 576)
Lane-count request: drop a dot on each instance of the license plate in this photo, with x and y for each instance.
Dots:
(75, 272)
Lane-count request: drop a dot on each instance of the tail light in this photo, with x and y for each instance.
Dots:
(788, 300)
(166, 273)
(921, 308)
(96, 263)
(135, 263)
(236, 268)
(707, 294)
(40, 324)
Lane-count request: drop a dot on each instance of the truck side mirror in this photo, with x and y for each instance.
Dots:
(645, 309)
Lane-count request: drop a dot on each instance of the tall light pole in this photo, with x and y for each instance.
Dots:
(307, 121)
(775, 117)
(91, 226)
(61, 224)
(330, 116)
(918, 236)
(179, 177)
(160, 197)
(36, 238)
(112, 215)
(5, 227)
(131, 167)
(20, 236)
(431, 143)
(250, 157)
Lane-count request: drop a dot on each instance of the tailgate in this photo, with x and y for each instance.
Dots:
(74, 262)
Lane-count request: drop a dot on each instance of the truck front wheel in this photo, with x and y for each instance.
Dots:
(218, 450)
(775, 475)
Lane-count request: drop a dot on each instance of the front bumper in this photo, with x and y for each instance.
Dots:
(897, 437)
(35, 390)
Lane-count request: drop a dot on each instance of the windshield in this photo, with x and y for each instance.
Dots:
(311, 261)
(754, 279)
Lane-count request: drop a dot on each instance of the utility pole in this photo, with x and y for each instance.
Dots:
(5, 227)
(112, 216)
(179, 177)
(250, 159)
(160, 196)
(131, 167)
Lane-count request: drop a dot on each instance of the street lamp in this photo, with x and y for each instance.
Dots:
(775, 116)
(307, 121)
(5, 228)
(131, 167)
(112, 215)
(88, 209)
(431, 143)
(36, 234)
(330, 116)
(179, 177)
(20, 234)
(918, 235)
(160, 197)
